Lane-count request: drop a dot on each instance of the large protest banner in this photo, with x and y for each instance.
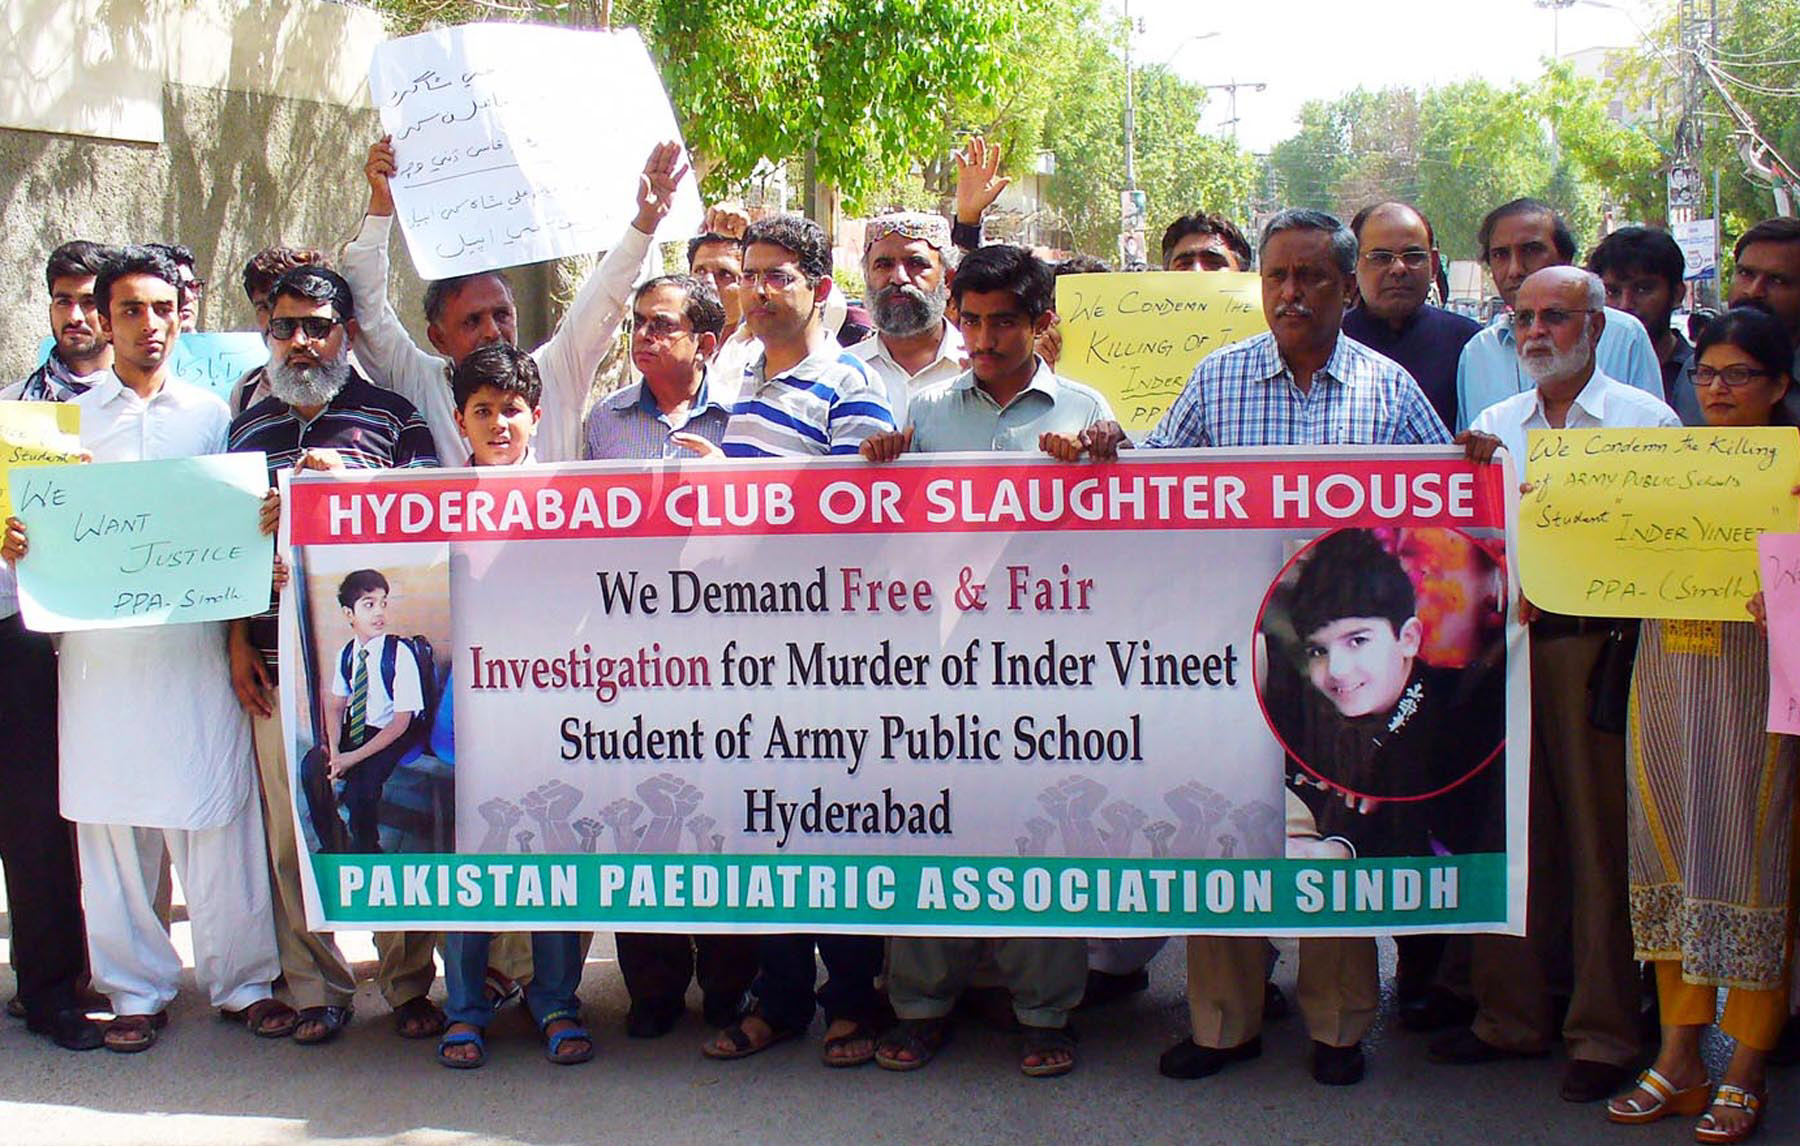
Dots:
(498, 162)
(973, 695)
(1137, 337)
(1658, 522)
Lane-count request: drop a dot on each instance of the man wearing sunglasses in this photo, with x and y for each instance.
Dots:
(320, 414)
(1396, 264)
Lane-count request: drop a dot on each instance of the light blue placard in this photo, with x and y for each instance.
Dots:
(212, 360)
(122, 544)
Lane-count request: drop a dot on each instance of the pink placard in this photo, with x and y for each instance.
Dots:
(1778, 558)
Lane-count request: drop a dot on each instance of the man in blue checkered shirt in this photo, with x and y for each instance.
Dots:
(1304, 383)
(1301, 384)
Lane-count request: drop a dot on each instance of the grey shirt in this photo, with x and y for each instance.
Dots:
(959, 415)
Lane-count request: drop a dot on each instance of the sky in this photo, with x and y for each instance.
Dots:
(1317, 49)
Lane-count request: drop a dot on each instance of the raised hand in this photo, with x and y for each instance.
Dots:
(1260, 823)
(663, 172)
(700, 827)
(619, 816)
(378, 169)
(1199, 809)
(1125, 819)
(588, 828)
(1159, 834)
(525, 839)
(550, 804)
(728, 219)
(978, 179)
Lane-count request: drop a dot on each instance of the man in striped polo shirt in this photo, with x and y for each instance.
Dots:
(805, 395)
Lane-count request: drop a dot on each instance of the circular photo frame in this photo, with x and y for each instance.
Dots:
(1382, 662)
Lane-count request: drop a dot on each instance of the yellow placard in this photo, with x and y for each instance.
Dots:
(1137, 337)
(1653, 522)
(35, 434)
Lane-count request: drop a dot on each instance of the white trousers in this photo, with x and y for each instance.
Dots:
(226, 878)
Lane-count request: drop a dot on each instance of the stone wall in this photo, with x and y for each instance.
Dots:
(264, 124)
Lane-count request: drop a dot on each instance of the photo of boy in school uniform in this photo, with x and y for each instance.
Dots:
(1395, 756)
(375, 696)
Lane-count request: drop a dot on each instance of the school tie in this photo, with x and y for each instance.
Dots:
(359, 697)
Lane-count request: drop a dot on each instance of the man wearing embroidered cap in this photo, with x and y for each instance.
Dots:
(907, 262)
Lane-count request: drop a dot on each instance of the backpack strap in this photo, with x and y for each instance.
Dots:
(390, 648)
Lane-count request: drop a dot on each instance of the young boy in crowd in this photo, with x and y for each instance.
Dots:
(496, 389)
(376, 694)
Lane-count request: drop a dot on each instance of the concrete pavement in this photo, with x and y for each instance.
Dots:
(209, 1082)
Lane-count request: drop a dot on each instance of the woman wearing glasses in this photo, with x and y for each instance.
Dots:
(1711, 805)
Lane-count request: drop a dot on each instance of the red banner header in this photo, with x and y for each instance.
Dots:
(602, 500)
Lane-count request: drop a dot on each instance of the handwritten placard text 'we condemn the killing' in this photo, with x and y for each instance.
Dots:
(1653, 522)
(1137, 337)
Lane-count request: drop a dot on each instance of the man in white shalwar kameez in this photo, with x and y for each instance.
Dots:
(154, 748)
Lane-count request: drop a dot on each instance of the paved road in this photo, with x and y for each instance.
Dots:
(210, 1082)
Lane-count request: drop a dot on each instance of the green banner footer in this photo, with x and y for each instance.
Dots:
(915, 893)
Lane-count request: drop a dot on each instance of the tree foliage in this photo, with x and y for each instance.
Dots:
(1459, 150)
(860, 85)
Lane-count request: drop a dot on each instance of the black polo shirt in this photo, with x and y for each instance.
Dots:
(1428, 345)
(370, 428)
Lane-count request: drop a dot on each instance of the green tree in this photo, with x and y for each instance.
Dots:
(1479, 146)
(861, 88)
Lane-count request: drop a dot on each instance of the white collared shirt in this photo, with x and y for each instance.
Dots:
(1604, 403)
(379, 710)
(901, 385)
(187, 761)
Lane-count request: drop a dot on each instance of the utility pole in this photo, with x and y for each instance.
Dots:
(1130, 106)
(1231, 91)
(1556, 10)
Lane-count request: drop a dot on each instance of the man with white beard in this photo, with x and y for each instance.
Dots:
(321, 415)
(1578, 820)
(904, 264)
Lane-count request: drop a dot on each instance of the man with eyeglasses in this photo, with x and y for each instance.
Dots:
(1578, 820)
(1518, 239)
(1395, 268)
(676, 324)
(193, 287)
(320, 414)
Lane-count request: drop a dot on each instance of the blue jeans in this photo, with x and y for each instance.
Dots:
(784, 987)
(555, 974)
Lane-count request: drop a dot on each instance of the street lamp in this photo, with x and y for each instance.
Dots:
(1131, 93)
